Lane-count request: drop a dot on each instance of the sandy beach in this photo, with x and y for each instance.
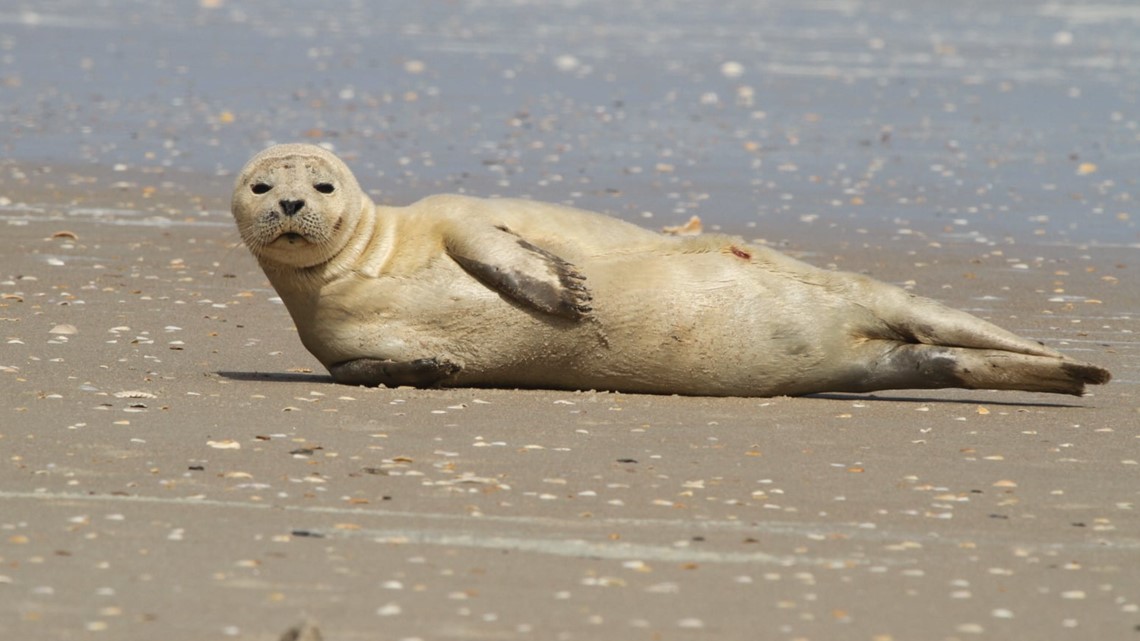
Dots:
(175, 465)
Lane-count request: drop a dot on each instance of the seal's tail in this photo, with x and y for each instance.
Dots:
(922, 320)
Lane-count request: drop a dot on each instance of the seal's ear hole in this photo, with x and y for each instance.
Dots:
(324, 188)
(260, 188)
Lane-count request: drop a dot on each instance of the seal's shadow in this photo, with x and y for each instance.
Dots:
(296, 377)
(879, 398)
(276, 377)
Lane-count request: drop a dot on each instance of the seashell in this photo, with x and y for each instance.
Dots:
(133, 394)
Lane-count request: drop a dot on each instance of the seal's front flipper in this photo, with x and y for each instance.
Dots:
(423, 372)
(522, 271)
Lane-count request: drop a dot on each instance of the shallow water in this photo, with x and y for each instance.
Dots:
(991, 123)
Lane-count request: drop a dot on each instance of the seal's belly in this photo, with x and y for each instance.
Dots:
(445, 313)
(692, 323)
(700, 323)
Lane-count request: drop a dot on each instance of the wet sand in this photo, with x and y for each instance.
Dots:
(176, 466)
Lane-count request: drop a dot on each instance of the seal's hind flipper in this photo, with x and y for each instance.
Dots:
(522, 271)
(920, 366)
(370, 372)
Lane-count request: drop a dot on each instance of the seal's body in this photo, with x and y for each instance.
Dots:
(455, 290)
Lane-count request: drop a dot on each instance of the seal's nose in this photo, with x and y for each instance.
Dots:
(291, 207)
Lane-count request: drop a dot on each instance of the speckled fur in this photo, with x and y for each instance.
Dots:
(708, 315)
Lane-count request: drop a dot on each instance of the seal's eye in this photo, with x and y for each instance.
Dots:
(259, 188)
(324, 188)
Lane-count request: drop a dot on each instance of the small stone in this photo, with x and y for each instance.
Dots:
(389, 610)
(567, 62)
(226, 444)
(306, 631)
(732, 69)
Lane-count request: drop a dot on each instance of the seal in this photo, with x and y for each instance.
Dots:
(461, 291)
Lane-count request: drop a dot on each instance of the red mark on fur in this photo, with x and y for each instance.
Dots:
(740, 253)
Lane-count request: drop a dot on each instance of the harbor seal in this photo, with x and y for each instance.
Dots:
(461, 291)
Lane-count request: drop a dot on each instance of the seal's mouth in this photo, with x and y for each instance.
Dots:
(291, 237)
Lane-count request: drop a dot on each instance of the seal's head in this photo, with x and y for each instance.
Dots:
(296, 206)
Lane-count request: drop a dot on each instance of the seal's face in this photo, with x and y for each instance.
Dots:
(296, 205)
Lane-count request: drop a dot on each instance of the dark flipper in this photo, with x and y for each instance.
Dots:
(928, 345)
(371, 372)
(918, 366)
(523, 272)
